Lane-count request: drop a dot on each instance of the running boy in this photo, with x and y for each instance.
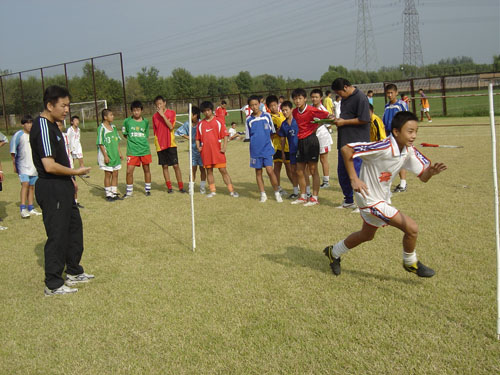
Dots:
(136, 131)
(288, 133)
(381, 161)
(391, 108)
(20, 150)
(75, 145)
(259, 128)
(196, 162)
(211, 141)
(425, 107)
(166, 148)
(109, 156)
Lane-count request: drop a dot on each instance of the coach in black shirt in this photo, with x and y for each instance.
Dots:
(353, 126)
(55, 194)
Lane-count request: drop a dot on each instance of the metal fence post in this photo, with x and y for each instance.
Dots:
(412, 91)
(3, 106)
(241, 106)
(22, 92)
(123, 84)
(95, 93)
(443, 93)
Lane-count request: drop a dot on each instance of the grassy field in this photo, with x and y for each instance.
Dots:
(258, 296)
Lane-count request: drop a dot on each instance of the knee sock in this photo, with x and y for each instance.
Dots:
(147, 187)
(326, 178)
(107, 191)
(402, 183)
(296, 190)
(181, 185)
(410, 258)
(169, 184)
(339, 248)
(130, 189)
(114, 190)
(202, 184)
(212, 188)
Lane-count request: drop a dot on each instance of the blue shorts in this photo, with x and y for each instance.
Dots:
(259, 163)
(293, 158)
(196, 159)
(30, 179)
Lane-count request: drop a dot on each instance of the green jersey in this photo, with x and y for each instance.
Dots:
(137, 133)
(109, 139)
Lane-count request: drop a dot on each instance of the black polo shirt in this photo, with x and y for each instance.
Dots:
(355, 106)
(46, 140)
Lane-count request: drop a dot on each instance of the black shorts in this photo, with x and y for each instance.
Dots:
(277, 156)
(168, 156)
(308, 149)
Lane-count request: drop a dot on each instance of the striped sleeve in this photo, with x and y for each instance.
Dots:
(417, 162)
(365, 149)
(46, 140)
(100, 135)
(14, 142)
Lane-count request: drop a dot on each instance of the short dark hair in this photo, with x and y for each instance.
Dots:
(369, 92)
(53, 93)
(299, 92)
(159, 97)
(287, 103)
(371, 106)
(271, 99)
(401, 118)
(316, 91)
(206, 105)
(253, 97)
(391, 86)
(282, 97)
(26, 119)
(195, 111)
(340, 83)
(136, 104)
(105, 112)
(337, 96)
(420, 90)
(233, 123)
(74, 117)
(327, 92)
(223, 102)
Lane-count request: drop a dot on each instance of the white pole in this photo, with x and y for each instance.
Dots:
(191, 183)
(495, 184)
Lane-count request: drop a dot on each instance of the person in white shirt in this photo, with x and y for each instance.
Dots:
(382, 161)
(74, 141)
(324, 138)
(336, 106)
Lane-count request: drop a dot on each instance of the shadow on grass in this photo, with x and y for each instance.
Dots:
(176, 239)
(3, 209)
(40, 257)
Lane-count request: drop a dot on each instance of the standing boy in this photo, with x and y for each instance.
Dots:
(109, 156)
(369, 95)
(20, 150)
(211, 141)
(381, 161)
(324, 138)
(221, 113)
(136, 131)
(336, 106)
(166, 148)
(377, 128)
(75, 145)
(259, 128)
(394, 106)
(288, 134)
(424, 106)
(328, 102)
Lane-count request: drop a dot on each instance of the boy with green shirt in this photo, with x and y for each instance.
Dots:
(136, 131)
(109, 156)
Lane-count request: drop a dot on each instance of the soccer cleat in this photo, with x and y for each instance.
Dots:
(293, 196)
(312, 202)
(148, 193)
(116, 197)
(211, 194)
(234, 194)
(334, 262)
(170, 191)
(63, 289)
(399, 189)
(263, 198)
(347, 205)
(34, 212)
(25, 214)
(109, 199)
(309, 195)
(203, 190)
(299, 200)
(419, 269)
(182, 191)
(325, 184)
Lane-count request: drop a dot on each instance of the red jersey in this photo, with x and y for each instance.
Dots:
(210, 133)
(304, 118)
(221, 113)
(164, 137)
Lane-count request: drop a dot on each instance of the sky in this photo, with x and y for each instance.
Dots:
(292, 38)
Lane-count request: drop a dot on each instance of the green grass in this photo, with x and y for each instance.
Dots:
(258, 296)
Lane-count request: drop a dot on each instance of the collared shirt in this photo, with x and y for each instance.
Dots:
(259, 130)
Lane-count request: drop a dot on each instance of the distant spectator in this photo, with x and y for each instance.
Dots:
(425, 107)
(369, 95)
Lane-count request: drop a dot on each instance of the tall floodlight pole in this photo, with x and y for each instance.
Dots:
(366, 52)
(412, 49)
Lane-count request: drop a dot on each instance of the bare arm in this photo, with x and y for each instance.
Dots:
(357, 185)
(167, 121)
(1, 172)
(103, 150)
(354, 121)
(198, 145)
(50, 166)
(224, 144)
(432, 170)
(13, 156)
(283, 141)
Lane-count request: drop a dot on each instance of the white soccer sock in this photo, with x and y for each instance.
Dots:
(339, 248)
(263, 194)
(409, 258)
(202, 184)
(114, 190)
(130, 189)
(107, 190)
(402, 183)
(326, 178)
(308, 190)
(147, 186)
(296, 190)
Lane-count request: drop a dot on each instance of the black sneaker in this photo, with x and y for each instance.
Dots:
(109, 199)
(170, 191)
(399, 189)
(293, 196)
(419, 269)
(148, 193)
(79, 205)
(182, 191)
(334, 262)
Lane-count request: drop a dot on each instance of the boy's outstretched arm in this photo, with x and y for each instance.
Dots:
(357, 185)
(432, 170)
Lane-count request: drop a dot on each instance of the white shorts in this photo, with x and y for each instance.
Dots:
(324, 139)
(77, 155)
(424, 109)
(379, 214)
(110, 169)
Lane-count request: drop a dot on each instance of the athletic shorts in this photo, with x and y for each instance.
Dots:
(262, 162)
(110, 169)
(308, 149)
(379, 214)
(324, 140)
(196, 159)
(424, 109)
(26, 178)
(168, 156)
(219, 165)
(77, 155)
(277, 156)
(293, 158)
(138, 160)
(325, 150)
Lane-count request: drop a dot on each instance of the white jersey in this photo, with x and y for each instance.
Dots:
(324, 137)
(68, 151)
(75, 146)
(21, 148)
(336, 109)
(382, 161)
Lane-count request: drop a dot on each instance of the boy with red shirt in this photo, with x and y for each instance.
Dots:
(221, 112)
(166, 148)
(211, 141)
(308, 146)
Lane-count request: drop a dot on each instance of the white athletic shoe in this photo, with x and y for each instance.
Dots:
(299, 200)
(277, 195)
(234, 194)
(355, 211)
(81, 278)
(312, 202)
(63, 289)
(3, 228)
(211, 194)
(34, 212)
(263, 198)
(203, 190)
(25, 214)
(347, 205)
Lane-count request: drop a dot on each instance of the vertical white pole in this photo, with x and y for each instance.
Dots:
(191, 182)
(495, 184)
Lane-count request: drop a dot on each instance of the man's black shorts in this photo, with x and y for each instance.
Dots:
(168, 156)
(277, 156)
(308, 149)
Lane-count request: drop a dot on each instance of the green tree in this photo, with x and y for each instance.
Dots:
(183, 83)
(244, 82)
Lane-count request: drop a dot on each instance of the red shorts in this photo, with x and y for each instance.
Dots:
(138, 160)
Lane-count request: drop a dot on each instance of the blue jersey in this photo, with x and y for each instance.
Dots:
(184, 130)
(389, 113)
(290, 132)
(259, 130)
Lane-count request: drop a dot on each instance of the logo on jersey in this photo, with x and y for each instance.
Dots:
(208, 130)
(385, 176)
